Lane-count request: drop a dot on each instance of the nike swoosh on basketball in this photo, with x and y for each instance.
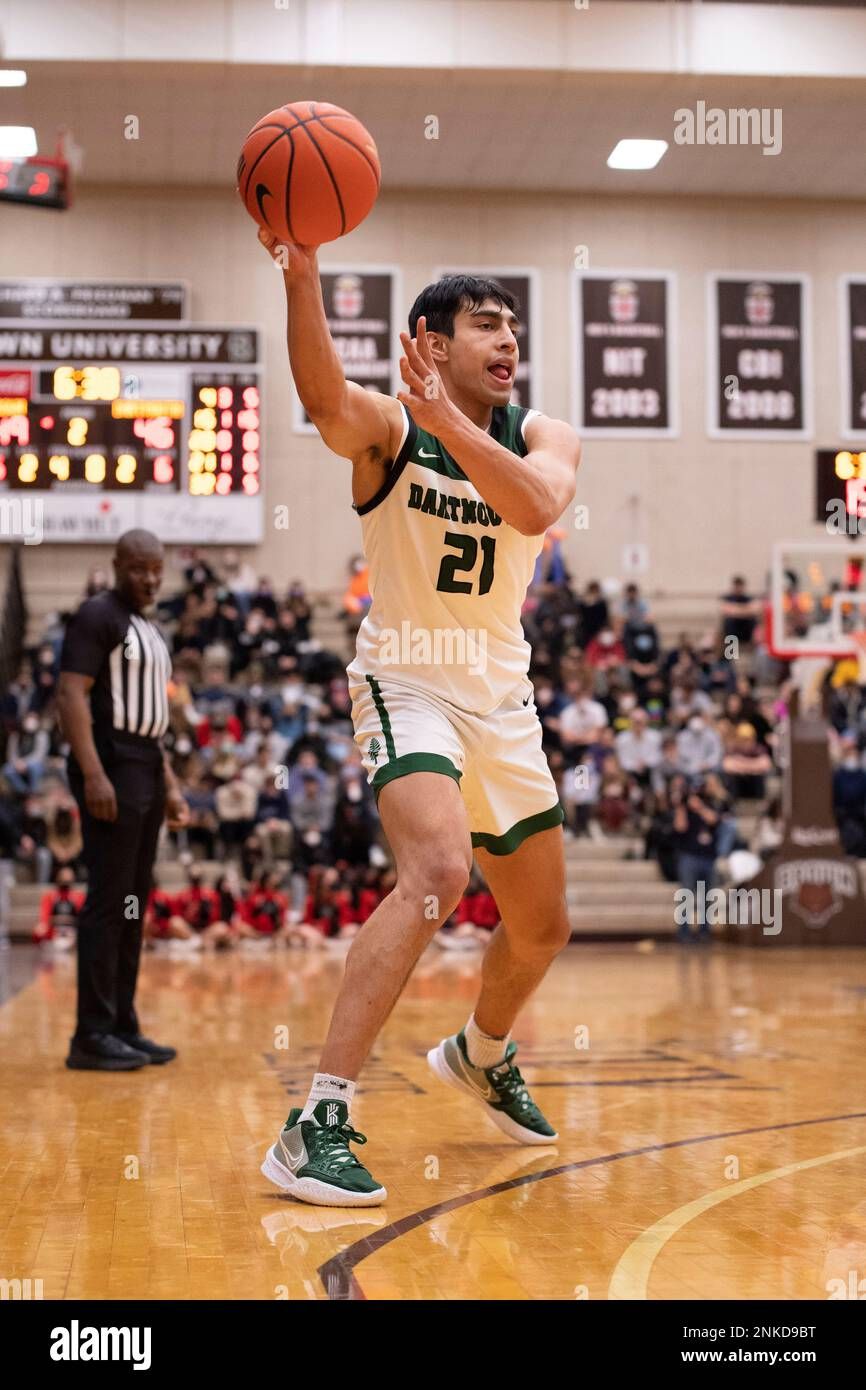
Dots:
(422, 453)
(262, 192)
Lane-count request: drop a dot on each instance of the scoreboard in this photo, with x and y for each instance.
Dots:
(138, 424)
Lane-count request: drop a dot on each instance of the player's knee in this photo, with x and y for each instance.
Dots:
(438, 882)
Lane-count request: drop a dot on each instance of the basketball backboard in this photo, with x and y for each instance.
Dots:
(817, 597)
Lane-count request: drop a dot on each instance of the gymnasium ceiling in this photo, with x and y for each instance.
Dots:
(529, 94)
(497, 130)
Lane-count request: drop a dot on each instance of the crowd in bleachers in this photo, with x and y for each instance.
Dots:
(659, 748)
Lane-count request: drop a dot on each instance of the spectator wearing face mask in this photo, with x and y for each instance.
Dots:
(593, 613)
(696, 822)
(162, 919)
(197, 904)
(26, 751)
(699, 748)
(638, 748)
(59, 910)
(605, 652)
(667, 767)
(354, 826)
(311, 813)
(236, 809)
(264, 910)
(579, 722)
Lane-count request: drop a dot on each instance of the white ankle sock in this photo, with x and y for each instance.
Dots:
(482, 1049)
(326, 1086)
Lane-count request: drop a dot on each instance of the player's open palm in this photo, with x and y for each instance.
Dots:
(426, 398)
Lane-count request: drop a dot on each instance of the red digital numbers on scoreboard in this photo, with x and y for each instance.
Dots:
(223, 447)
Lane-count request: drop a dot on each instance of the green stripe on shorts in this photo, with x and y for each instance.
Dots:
(413, 762)
(384, 719)
(520, 831)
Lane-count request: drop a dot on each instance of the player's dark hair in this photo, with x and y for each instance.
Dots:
(441, 301)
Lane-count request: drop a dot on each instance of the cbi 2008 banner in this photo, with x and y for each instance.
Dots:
(523, 284)
(624, 374)
(360, 307)
(758, 383)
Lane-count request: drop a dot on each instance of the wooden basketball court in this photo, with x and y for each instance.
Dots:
(713, 1136)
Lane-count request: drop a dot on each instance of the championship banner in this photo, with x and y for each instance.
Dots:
(853, 315)
(624, 385)
(360, 307)
(814, 885)
(524, 285)
(113, 300)
(757, 362)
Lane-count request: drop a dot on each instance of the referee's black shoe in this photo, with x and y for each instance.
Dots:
(104, 1052)
(155, 1051)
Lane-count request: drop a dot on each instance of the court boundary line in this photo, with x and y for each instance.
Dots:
(337, 1275)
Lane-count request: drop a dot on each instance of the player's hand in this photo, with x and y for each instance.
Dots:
(426, 399)
(176, 810)
(292, 259)
(99, 797)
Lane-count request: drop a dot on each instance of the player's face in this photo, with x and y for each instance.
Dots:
(483, 354)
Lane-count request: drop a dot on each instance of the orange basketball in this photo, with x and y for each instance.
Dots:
(309, 172)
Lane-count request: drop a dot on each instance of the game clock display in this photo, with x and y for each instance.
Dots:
(83, 434)
(39, 182)
(95, 427)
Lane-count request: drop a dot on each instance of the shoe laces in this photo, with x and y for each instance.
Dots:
(332, 1141)
(511, 1086)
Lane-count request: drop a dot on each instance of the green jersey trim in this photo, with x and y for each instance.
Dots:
(513, 838)
(404, 453)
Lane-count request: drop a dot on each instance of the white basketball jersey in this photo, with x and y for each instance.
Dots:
(448, 576)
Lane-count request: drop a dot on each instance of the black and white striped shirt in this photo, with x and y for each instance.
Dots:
(130, 665)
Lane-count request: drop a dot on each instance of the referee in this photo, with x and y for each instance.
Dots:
(113, 707)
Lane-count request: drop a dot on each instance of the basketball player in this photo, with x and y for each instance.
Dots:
(455, 488)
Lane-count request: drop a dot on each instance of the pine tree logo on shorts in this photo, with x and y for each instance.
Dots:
(374, 750)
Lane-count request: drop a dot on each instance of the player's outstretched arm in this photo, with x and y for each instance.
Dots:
(353, 422)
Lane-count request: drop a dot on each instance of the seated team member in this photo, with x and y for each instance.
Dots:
(162, 921)
(58, 911)
(263, 912)
(328, 908)
(226, 929)
(198, 905)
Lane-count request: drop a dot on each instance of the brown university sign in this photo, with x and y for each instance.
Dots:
(819, 886)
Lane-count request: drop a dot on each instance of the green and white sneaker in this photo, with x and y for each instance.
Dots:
(500, 1089)
(312, 1160)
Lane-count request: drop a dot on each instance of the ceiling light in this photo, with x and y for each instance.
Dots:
(636, 154)
(17, 141)
(13, 77)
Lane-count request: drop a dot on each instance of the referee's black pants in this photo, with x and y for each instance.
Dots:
(119, 856)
